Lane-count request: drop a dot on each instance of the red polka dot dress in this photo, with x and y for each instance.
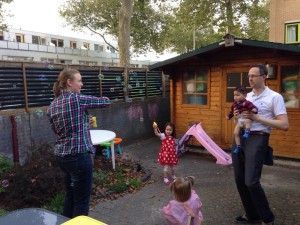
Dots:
(167, 154)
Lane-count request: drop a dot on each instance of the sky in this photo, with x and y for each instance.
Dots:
(42, 16)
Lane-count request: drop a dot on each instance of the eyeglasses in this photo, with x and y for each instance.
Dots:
(253, 75)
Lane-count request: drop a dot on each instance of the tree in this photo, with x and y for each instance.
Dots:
(3, 25)
(258, 20)
(106, 17)
(210, 20)
(125, 15)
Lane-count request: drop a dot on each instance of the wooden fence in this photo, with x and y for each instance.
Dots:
(26, 85)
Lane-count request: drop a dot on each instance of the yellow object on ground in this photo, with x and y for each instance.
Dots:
(83, 220)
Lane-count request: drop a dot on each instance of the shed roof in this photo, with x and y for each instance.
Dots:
(219, 45)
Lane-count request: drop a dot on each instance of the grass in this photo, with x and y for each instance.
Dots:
(56, 203)
(5, 164)
(2, 212)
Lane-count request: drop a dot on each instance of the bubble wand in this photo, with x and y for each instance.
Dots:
(156, 127)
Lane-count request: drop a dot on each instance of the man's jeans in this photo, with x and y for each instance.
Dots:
(247, 170)
(78, 181)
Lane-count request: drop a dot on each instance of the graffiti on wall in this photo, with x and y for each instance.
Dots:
(135, 113)
(152, 111)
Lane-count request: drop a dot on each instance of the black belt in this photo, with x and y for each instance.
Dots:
(257, 132)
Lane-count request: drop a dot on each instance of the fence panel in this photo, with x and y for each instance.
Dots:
(91, 82)
(11, 88)
(137, 84)
(154, 83)
(112, 84)
(39, 85)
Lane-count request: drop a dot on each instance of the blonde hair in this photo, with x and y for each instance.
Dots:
(63, 77)
(182, 188)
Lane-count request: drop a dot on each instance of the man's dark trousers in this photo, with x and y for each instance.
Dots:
(248, 165)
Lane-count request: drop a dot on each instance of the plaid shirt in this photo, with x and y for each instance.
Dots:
(70, 122)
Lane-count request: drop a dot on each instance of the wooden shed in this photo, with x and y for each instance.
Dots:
(202, 83)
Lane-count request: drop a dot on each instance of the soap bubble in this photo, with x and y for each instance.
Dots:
(118, 78)
(50, 67)
(101, 76)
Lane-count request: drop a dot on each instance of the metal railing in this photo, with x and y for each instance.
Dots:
(4, 44)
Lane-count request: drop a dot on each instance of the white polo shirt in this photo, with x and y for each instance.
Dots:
(270, 104)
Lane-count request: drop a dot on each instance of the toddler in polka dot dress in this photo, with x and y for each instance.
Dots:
(167, 156)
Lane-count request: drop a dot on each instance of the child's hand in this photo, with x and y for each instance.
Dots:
(154, 125)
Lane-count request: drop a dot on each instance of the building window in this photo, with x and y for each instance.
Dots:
(86, 45)
(1, 36)
(47, 60)
(60, 43)
(98, 48)
(73, 44)
(54, 42)
(195, 86)
(292, 33)
(290, 85)
(235, 80)
(18, 58)
(35, 39)
(20, 38)
(57, 42)
(38, 40)
(87, 63)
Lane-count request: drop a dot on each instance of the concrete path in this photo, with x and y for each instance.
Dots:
(214, 184)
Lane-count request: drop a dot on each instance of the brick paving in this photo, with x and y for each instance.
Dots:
(214, 184)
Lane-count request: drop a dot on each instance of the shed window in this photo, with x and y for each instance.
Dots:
(292, 33)
(290, 85)
(235, 80)
(195, 86)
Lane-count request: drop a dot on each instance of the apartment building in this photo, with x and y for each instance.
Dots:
(285, 21)
(30, 46)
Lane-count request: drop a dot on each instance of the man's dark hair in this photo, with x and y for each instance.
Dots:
(262, 69)
(241, 89)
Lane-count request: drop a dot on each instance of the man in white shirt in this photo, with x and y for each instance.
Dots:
(249, 162)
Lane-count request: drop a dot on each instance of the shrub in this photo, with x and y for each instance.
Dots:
(5, 164)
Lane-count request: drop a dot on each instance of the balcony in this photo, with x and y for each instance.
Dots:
(9, 45)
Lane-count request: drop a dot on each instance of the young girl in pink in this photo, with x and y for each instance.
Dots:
(185, 209)
(167, 156)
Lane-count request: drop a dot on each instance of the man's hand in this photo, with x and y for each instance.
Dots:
(250, 115)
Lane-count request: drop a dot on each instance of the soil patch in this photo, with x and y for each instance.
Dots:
(40, 183)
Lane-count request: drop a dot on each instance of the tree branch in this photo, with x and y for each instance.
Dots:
(102, 36)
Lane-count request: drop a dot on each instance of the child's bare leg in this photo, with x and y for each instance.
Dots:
(247, 123)
(237, 139)
(166, 174)
(236, 133)
(172, 172)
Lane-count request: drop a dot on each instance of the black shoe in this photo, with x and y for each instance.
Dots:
(244, 220)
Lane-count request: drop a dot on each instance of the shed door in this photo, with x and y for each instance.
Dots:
(232, 78)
